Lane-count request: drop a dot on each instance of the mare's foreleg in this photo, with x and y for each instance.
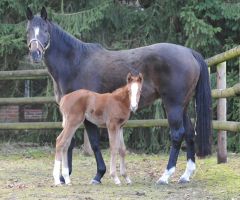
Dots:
(189, 138)
(175, 119)
(114, 141)
(122, 153)
(94, 137)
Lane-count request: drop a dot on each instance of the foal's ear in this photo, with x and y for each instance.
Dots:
(44, 13)
(29, 14)
(129, 77)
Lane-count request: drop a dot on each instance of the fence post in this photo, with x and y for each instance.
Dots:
(221, 114)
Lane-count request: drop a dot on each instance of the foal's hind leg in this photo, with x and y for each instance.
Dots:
(189, 138)
(122, 153)
(175, 119)
(114, 141)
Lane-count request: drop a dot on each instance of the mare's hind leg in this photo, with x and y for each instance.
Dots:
(175, 120)
(189, 138)
(122, 153)
(114, 141)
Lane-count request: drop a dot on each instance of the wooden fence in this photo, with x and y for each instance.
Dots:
(220, 93)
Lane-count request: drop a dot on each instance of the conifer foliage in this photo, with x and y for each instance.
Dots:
(210, 26)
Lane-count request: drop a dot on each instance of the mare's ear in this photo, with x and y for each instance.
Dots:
(140, 77)
(29, 14)
(44, 13)
(129, 77)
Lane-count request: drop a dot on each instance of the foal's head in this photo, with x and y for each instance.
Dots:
(134, 84)
(38, 37)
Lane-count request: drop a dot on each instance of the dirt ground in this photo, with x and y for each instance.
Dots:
(26, 173)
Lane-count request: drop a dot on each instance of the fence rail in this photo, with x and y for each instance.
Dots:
(225, 56)
(217, 125)
(216, 93)
(24, 74)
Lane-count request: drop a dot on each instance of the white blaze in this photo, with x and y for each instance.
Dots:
(133, 99)
(36, 32)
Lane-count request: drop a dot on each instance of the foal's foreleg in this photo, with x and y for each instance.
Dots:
(66, 140)
(122, 153)
(175, 119)
(189, 138)
(58, 158)
(114, 141)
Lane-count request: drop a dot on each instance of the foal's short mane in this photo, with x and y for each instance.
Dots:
(71, 40)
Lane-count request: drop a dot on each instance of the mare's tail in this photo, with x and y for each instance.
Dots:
(203, 109)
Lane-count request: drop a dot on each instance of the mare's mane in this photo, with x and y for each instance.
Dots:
(71, 40)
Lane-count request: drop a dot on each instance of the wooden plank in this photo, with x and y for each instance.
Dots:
(218, 125)
(228, 92)
(43, 73)
(24, 74)
(227, 55)
(222, 114)
(26, 100)
(216, 93)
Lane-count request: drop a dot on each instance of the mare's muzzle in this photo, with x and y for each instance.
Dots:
(36, 55)
(37, 49)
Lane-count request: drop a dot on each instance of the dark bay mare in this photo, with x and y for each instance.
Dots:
(171, 72)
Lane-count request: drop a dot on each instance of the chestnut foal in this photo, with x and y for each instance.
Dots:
(110, 109)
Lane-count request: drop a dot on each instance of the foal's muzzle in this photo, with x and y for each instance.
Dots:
(134, 109)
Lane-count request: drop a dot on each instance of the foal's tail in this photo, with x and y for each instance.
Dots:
(203, 109)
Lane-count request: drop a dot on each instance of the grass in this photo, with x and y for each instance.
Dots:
(26, 173)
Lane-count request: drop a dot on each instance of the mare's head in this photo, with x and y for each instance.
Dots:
(134, 84)
(38, 37)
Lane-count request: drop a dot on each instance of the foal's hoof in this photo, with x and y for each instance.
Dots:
(128, 180)
(162, 182)
(183, 180)
(117, 183)
(58, 184)
(95, 182)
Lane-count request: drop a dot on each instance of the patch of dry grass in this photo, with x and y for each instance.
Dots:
(26, 173)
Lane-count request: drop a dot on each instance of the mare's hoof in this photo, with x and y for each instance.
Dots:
(95, 182)
(183, 180)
